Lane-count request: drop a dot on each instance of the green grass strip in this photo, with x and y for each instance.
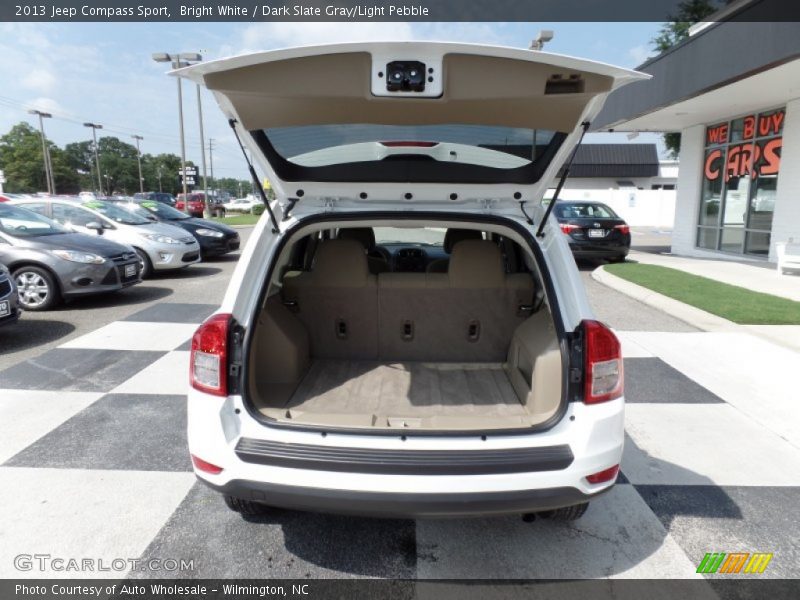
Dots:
(238, 220)
(731, 302)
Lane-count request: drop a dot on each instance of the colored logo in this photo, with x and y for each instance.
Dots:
(734, 562)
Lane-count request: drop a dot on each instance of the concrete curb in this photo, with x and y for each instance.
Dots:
(688, 314)
(695, 317)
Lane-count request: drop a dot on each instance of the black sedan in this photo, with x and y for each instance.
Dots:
(215, 239)
(593, 230)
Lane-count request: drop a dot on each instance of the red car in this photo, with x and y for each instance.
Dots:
(197, 204)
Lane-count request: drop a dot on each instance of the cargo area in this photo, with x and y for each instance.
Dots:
(465, 344)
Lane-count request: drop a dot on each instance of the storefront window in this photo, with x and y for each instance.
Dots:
(740, 172)
(712, 189)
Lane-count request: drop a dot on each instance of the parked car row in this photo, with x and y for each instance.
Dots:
(56, 248)
(242, 205)
(214, 238)
(197, 204)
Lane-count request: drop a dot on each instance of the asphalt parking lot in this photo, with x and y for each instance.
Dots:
(37, 332)
(97, 466)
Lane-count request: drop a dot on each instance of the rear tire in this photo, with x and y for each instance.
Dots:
(246, 507)
(567, 513)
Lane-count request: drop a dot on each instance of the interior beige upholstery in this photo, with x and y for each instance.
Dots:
(366, 237)
(337, 301)
(476, 264)
(340, 263)
(467, 314)
(335, 88)
(451, 237)
(419, 350)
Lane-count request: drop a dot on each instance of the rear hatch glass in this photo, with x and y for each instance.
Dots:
(431, 153)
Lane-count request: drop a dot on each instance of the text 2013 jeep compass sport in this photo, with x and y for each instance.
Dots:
(407, 333)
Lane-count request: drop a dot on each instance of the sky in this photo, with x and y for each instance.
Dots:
(103, 72)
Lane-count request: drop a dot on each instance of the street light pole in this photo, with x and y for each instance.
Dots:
(48, 167)
(177, 61)
(138, 138)
(95, 127)
(207, 200)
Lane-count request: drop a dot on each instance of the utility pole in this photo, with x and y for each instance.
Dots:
(211, 156)
(139, 159)
(95, 127)
(48, 167)
(207, 200)
(159, 179)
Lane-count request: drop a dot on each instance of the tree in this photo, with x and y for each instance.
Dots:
(21, 159)
(160, 172)
(235, 187)
(673, 32)
(118, 166)
(677, 28)
(80, 157)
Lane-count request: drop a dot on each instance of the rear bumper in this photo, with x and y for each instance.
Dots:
(404, 505)
(405, 474)
(589, 251)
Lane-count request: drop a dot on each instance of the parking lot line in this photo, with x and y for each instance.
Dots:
(133, 335)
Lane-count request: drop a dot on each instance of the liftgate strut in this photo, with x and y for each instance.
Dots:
(275, 228)
(564, 175)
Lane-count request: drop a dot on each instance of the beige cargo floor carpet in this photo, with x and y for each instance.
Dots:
(413, 389)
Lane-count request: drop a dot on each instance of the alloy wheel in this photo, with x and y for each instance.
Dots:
(33, 289)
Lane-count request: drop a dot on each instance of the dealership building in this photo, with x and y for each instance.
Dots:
(732, 89)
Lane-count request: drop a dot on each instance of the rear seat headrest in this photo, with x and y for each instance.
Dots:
(476, 264)
(453, 236)
(363, 235)
(340, 263)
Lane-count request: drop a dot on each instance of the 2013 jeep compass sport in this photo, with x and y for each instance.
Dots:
(407, 332)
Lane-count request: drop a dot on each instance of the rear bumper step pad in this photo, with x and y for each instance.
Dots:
(404, 462)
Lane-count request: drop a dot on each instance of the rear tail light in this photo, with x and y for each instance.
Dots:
(568, 227)
(204, 466)
(624, 229)
(209, 358)
(603, 371)
(603, 476)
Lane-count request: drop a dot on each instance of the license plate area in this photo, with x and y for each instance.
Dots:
(5, 308)
(130, 271)
(597, 233)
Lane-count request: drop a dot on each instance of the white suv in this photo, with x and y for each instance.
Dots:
(401, 335)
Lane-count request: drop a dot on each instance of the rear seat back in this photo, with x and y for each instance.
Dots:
(465, 315)
(337, 301)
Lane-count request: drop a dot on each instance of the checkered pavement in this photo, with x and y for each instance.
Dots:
(93, 463)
